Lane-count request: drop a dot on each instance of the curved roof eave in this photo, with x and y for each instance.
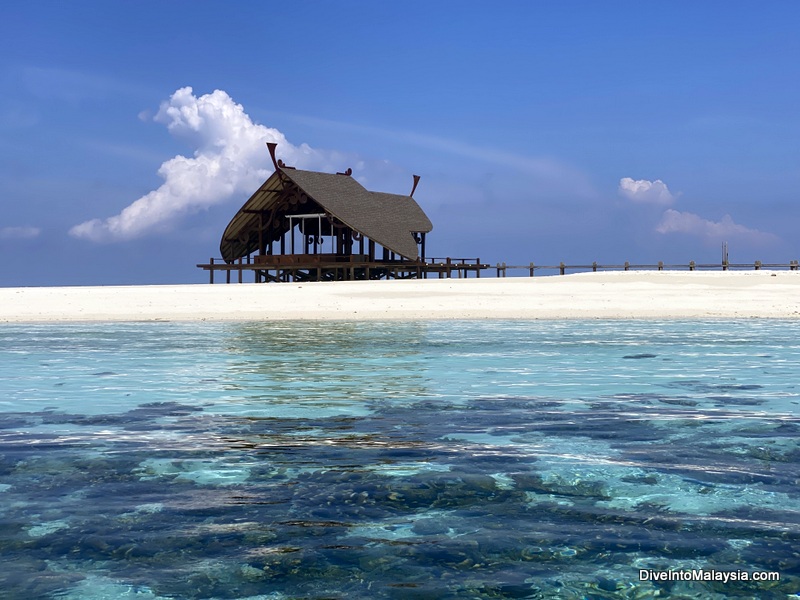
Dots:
(388, 219)
(231, 245)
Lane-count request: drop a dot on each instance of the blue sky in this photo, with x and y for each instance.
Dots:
(130, 133)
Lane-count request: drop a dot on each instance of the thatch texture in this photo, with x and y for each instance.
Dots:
(388, 219)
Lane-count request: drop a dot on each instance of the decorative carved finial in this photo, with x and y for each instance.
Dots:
(272, 146)
(413, 189)
(283, 165)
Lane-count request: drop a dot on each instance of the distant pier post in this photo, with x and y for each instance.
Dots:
(724, 256)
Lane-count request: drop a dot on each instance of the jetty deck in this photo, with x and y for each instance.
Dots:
(329, 267)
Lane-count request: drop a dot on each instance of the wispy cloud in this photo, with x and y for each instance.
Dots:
(126, 151)
(553, 172)
(643, 191)
(69, 85)
(229, 158)
(656, 193)
(674, 221)
(19, 233)
(18, 117)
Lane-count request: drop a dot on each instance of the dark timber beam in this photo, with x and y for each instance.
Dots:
(271, 147)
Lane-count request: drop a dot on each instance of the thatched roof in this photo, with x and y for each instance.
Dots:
(388, 219)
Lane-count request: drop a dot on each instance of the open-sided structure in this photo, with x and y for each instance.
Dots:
(310, 226)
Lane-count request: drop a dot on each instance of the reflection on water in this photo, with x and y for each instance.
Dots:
(398, 460)
(312, 367)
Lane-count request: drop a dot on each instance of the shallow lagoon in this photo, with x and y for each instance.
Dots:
(497, 459)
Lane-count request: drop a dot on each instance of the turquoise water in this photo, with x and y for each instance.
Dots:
(498, 459)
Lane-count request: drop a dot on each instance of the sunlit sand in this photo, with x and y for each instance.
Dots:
(611, 295)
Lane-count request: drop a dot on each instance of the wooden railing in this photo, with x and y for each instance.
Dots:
(458, 267)
(562, 268)
(444, 267)
(289, 267)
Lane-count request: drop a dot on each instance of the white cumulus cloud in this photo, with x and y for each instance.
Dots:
(674, 221)
(19, 233)
(646, 192)
(230, 157)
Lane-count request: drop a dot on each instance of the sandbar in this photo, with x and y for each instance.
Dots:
(602, 295)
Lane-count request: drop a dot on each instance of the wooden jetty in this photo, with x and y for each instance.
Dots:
(531, 268)
(310, 226)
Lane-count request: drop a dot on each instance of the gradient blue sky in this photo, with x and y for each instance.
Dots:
(543, 131)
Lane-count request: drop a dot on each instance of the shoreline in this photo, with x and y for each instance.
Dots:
(602, 295)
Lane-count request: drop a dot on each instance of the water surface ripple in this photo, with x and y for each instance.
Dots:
(494, 459)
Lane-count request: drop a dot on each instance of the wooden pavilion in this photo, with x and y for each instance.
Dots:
(309, 226)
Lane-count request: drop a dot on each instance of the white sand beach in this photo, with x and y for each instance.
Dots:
(610, 295)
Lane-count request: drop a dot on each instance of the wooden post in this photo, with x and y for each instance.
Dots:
(260, 234)
(211, 270)
(478, 269)
(240, 269)
(227, 275)
(724, 256)
(531, 269)
(449, 267)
